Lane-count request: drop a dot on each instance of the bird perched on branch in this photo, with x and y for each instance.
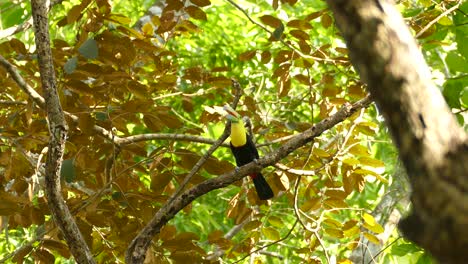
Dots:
(244, 151)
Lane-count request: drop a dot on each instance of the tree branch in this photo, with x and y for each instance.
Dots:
(137, 250)
(58, 133)
(432, 146)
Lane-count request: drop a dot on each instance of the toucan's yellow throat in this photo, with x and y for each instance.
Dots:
(238, 133)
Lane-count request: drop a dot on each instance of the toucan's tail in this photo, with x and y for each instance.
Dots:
(263, 189)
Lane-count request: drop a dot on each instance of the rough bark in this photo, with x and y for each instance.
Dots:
(432, 146)
(58, 134)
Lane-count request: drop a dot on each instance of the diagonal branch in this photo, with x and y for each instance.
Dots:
(137, 250)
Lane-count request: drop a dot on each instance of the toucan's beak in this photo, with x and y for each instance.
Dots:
(232, 118)
(231, 112)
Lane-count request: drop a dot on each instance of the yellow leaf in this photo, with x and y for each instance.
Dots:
(271, 233)
(369, 172)
(350, 161)
(334, 232)
(377, 228)
(252, 225)
(445, 21)
(320, 153)
(275, 221)
(371, 162)
(359, 150)
(369, 219)
(352, 231)
(371, 224)
(372, 238)
(332, 223)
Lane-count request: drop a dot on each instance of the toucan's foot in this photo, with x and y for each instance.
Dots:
(237, 169)
(255, 161)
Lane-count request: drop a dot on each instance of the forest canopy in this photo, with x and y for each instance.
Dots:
(138, 86)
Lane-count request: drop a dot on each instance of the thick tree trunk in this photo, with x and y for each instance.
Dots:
(432, 146)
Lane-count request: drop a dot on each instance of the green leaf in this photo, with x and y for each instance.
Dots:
(67, 171)
(456, 62)
(425, 259)
(403, 249)
(89, 49)
(451, 92)
(11, 14)
(278, 32)
(464, 97)
(70, 65)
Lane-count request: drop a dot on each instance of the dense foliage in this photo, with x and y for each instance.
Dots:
(167, 77)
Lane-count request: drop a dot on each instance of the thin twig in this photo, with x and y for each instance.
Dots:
(446, 12)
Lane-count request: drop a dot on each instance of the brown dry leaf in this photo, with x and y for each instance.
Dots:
(74, 14)
(86, 123)
(217, 167)
(311, 204)
(270, 21)
(169, 119)
(10, 203)
(338, 194)
(299, 24)
(284, 86)
(159, 181)
(196, 13)
(335, 203)
(188, 158)
(291, 2)
(43, 256)
(173, 5)
(215, 235)
(283, 55)
(219, 81)
(245, 56)
(153, 123)
(56, 246)
(201, 3)
(300, 34)
(305, 48)
(234, 205)
(326, 20)
(265, 57)
(313, 15)
(167, 232)
(281, 71)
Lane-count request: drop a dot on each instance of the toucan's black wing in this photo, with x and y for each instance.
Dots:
(252, 147)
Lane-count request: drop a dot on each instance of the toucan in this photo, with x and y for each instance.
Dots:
(244, 152)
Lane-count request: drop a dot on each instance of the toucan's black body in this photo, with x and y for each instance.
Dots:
(246, 154)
